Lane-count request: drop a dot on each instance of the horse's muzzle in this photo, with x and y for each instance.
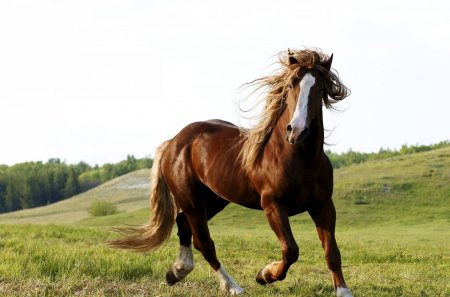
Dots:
(294, 136)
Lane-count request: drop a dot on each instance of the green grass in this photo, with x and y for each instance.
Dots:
(75, 261)
(393, 232)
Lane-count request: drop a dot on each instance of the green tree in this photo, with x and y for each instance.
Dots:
(11, 198)
(24, 194)
(81, 167)
(57, 183)
(71, 187)
(2, 194)
(131, 163)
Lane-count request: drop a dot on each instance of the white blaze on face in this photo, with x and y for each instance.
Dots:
(298, 121)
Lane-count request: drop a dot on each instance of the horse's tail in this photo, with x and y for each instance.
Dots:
(163, 212)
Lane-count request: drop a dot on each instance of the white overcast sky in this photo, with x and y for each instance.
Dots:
(97, 80)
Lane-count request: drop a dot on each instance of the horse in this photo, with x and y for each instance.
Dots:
(278, 166)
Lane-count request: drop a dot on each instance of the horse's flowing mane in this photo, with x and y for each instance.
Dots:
(275, 87)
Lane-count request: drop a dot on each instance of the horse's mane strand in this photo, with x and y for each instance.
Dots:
(275, 87)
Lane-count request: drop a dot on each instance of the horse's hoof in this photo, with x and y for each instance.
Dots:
(260, 278)
(171, 278)
(343, 292)
(236, 290)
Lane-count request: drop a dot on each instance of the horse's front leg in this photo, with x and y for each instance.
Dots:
(325, 219)
(279, 222)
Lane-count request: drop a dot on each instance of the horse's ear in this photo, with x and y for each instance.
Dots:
(292, 60)
(327, 63)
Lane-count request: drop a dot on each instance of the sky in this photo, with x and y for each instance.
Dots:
(96, 80)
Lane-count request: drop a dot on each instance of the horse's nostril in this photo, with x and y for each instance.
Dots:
(289, 128)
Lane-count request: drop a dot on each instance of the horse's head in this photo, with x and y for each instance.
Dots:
(310, 85)
(304, 81)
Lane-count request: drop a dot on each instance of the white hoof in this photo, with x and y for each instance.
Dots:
(343, 292)
(235, 290)
(227, 283)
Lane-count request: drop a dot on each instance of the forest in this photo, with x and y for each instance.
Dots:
(33, 184)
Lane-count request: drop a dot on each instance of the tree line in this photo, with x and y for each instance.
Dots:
(350, 157)
(33, 184)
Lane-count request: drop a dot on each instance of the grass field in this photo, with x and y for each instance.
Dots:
(393, 231)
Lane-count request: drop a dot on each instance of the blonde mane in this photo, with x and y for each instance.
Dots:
(275, 87)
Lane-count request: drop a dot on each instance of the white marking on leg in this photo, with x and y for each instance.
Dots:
(298, 121)
(227, 283)
(184, 263)
(343, 292)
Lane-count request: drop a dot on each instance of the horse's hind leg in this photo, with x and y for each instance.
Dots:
(198, 220)
(185, 262)
(324, 217)
(204, 243)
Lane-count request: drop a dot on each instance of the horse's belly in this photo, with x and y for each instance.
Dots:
(234, 189)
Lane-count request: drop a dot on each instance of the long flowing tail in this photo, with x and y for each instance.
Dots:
(158, 229)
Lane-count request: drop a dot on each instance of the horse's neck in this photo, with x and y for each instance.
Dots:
(313, 144)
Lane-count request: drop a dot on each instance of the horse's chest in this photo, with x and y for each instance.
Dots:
(298, 197)
(296, 193)
(306, 193)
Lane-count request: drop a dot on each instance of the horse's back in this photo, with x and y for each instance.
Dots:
(221, 123)
(209, 128)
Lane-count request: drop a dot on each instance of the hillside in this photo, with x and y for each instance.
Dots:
(404, 189)
(129, 192)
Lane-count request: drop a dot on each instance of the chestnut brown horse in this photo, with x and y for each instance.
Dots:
(279, 166)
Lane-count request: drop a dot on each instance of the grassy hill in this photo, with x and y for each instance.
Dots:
(405, 189)
(393, 231)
